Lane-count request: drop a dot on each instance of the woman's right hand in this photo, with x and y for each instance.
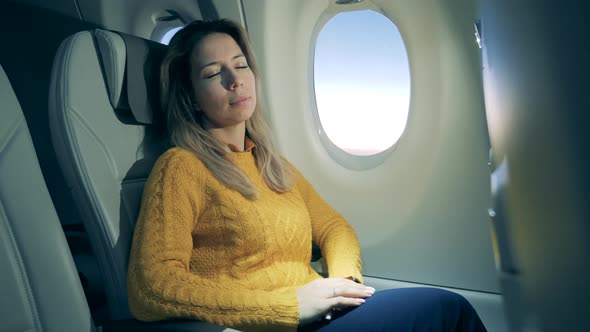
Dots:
(322, 295)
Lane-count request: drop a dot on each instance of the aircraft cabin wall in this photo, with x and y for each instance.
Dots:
(138, 18)
(421, 214)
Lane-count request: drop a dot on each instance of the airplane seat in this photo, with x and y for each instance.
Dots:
(102, 88)
(535, 73)
(40, 287)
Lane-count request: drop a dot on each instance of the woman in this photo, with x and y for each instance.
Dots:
(226, 225)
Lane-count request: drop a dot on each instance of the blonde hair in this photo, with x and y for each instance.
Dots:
(185, 125)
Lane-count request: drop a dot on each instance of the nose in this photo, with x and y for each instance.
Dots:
(234, 80)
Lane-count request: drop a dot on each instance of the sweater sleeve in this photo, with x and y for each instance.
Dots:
(160, 284)
(332, 233)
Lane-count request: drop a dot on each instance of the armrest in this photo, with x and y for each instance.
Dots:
(133, 325)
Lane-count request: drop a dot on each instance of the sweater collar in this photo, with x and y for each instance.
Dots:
(248, 146)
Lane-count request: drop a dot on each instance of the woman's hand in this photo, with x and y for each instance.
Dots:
(322, 295)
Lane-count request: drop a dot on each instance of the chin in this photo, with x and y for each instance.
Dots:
(247, 114)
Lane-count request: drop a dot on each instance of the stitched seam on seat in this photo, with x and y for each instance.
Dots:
(87, 183)
(22, 271)
(76, 115)
(5, 141)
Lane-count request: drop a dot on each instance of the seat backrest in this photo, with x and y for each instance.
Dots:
(537, 107)
(105, 148)
(39, 286)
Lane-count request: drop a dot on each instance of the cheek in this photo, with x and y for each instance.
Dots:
(206, 95)
(252, 82)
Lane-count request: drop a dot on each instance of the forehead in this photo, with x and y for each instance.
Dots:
(215, 47)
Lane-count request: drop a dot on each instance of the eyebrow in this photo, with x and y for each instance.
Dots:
(216, 62)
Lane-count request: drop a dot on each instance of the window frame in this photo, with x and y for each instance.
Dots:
(342, 157)
(162, 28)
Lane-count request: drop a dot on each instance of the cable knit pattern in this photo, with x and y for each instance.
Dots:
(203, 251)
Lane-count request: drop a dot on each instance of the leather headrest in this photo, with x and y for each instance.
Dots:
(131, 69)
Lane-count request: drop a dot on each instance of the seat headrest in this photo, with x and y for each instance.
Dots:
(112, 55)
(130, 67)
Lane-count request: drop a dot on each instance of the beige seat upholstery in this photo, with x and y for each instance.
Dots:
(39, 286)
(100, 122)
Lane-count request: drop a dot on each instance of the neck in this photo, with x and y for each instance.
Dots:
(230, 135)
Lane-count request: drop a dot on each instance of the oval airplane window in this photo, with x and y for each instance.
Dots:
(168, 35)
(362, 82)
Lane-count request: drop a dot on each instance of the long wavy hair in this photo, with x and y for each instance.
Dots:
(185, 125)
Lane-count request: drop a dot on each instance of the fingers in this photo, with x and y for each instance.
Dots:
(341, 287)
(348, 291)
(348, 288)
(341, 301)
(322, 296)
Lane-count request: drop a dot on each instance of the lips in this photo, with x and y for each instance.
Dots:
(240, 101)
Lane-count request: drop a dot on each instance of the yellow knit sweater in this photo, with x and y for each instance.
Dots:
(203, 251)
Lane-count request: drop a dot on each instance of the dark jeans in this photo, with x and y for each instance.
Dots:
(406, 310)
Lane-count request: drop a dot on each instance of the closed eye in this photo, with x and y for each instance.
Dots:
(213, 75)
(219, 72)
